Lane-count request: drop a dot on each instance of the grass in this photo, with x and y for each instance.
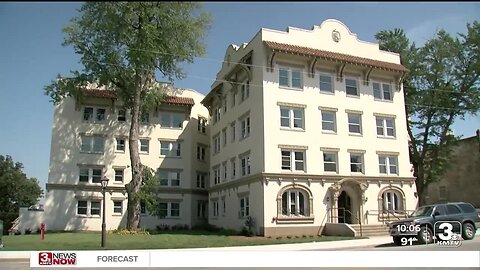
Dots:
(167, 240)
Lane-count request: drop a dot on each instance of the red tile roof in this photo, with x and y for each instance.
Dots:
(335, 56)
(175, 100)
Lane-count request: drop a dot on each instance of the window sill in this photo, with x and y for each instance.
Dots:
(355, 134)
(327, 172)
(118, 183)
(357, 173)
(292, 129)
(329, 132)
(386, 137)
(119, 152)
(86, 216)
(332, 93)
(117, 215)
(143, 153)
(170, 157)
(294, 219)
(243, 138)
(94, 153)
(353, 96)
(383, 100)
(290, 88)
(172, 128)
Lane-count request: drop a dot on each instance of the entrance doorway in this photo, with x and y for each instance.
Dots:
(344, 208)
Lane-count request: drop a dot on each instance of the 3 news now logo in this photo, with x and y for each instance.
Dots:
(57, 258)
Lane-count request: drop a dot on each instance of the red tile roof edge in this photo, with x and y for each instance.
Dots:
(175, 100)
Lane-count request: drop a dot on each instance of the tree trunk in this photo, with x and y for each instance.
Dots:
(133, 205)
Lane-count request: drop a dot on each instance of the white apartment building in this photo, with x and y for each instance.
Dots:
(308, 127)
(90, 141)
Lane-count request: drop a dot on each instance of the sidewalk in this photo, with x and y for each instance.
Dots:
(375, 240)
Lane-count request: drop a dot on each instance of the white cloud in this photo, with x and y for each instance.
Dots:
(427, 30)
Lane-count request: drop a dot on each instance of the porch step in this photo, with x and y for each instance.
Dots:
(371, 230)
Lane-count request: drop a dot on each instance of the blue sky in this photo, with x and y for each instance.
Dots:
(31, 54)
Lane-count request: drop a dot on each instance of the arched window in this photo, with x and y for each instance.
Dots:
(295, 203)
(392, 200)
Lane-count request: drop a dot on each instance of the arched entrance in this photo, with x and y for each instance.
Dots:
(344, 208)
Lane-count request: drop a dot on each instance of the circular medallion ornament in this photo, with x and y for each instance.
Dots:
(336, 36)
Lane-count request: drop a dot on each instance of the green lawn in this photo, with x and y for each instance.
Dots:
(91, 240)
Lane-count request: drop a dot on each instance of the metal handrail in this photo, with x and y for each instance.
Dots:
(345, 210)
(398, 214)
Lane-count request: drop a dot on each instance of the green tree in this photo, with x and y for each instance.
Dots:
(443, 86)
(123, 46)
(16, 190)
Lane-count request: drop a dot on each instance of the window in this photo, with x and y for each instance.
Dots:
(245, 162)
(172, 120)
(169, 178)
(202, 209)
(170, 149)
(92, 144)
(145, 118)
(202, 125)
(388, 164)
(90, 175)
(244, 207)
(216, 144)
(117, 207)
(294, 203)
(224, 136)
(351, 87)
(120, 146)
(88, 114)
(245, 90)
(329, 121)
(326, 83)
(224, 104)
(382, 91)
(215, 208)
(169, 209)
(330, 162)
(290, 77)
(216, 175)
(225, 171)
(119, 175)
(144, 146)
(95, 208)
(245, 125)
(88, 208)
(293, 160)
(201, 152)
(232, 128)
(224, 207)
(216, 114)
(385, 126)
(233, 164)
(356, 162)
(122, 115)
(234, 95)
(292, 118)
(452, 209)
(201, 179)
(392, 201)
(355, 123)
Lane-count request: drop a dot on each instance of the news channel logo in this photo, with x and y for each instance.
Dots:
(447, 233)
(57, 258)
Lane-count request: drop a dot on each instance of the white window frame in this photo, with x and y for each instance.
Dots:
(202, 209)
(347, 86)
(174, 149)
(384, 128)
(167, 120)
(334, 122)
(359, 124)
(387, 165)
(90, 175)
(392, 200)
(202, 125)
(381, 90)
(116, 176)
(216, 144)
(142, 146)
(169, 209)
(332, 83)
(94, 141)
(292, 160)
(245, 90)
(296, 202)
(122, 114)
(201, 152)
(245, 127)
(119, 144)
(233, 165)
(89, 208)
(225, 171)
(244, 203)
(233, 131)
(245, 165)
(215, 212)
(291, 118)
(117, 207)
(290, 70)
(145, 118)
(216, 175)
(201, 180)
(224, 137)
(173, 178)
(325, 162)
(98, 114)
(362, 162)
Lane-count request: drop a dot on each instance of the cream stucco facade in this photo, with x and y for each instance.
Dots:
(90, 141)
(320, 133)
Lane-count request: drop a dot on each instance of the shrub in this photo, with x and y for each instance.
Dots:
(163, 227)
(28, 231)
(129, 232)
(179, 227)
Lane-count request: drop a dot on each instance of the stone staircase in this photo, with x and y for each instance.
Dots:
(371, 230)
